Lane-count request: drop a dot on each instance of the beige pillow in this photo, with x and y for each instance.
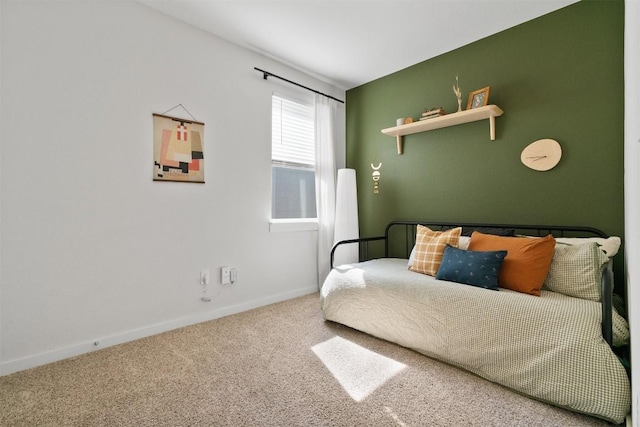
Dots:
(430, 248)
(576, 270)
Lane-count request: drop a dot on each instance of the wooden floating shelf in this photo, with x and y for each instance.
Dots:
(481, 113)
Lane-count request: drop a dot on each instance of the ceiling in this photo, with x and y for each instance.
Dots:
(350, 42)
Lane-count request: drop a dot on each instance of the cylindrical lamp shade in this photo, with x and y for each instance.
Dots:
(346, 222)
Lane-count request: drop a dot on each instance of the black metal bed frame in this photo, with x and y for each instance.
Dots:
(530, 230)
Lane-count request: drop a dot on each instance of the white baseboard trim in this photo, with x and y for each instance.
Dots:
(44, 358)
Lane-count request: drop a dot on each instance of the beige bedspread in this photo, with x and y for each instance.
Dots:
(548, 347)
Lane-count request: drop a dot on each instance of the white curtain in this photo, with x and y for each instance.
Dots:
(325, 181)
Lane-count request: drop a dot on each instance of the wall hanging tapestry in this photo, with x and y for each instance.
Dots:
(178, 149)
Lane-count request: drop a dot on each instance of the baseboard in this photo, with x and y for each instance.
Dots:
(44, 358)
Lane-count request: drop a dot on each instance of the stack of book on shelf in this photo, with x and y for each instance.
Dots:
(432, 113)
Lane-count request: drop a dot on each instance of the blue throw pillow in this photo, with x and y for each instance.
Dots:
(476, 268)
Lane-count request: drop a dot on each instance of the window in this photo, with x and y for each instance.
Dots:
(293, 193)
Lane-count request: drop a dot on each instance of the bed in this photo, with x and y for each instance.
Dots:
(553, 347)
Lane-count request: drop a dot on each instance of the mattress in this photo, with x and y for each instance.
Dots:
(548, 347)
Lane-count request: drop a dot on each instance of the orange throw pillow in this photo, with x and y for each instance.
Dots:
(527, 262)
(430, 246)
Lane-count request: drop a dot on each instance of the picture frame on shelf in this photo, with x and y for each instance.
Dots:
(478, 98)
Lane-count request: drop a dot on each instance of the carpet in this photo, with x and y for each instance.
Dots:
(278, 365)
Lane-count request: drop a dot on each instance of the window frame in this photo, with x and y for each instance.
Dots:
(288, 224)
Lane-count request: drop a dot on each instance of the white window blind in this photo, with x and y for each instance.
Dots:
(293, 158)
(292, 133)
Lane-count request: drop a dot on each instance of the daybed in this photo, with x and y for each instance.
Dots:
(554, 343)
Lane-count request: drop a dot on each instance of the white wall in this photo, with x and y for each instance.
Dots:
(632, 192)
(92, 248)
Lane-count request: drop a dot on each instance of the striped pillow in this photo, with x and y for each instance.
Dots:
(576, 271)
(430, 248)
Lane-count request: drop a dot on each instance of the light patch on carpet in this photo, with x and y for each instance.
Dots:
(358, 370)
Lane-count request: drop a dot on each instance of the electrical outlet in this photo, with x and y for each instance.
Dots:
(225, 275)
(204, 281)
(204, 277)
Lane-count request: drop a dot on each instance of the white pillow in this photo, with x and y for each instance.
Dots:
(609, 246)
(463, 243)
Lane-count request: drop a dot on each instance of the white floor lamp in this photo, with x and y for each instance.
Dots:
(346, 222)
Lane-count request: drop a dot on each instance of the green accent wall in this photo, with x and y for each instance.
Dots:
(559, 76)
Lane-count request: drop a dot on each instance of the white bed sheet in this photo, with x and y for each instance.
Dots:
(548, 347)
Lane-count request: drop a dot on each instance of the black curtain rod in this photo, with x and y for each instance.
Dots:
(266, 74)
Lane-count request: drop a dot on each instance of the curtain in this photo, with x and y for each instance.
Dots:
(325, 181)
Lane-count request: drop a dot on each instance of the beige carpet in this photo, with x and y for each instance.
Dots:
(280, 365)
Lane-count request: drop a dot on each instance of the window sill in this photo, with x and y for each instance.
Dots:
(287, 225)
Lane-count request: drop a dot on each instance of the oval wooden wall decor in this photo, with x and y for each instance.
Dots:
(542, 155)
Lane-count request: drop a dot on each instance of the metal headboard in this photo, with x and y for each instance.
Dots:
(467, 227)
